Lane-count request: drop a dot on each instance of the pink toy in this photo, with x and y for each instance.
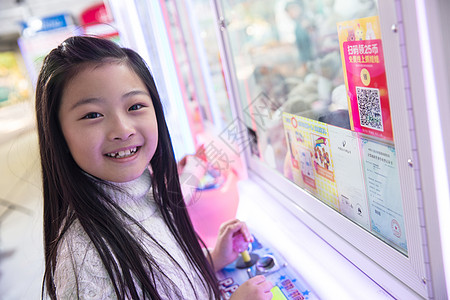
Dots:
(213, 207)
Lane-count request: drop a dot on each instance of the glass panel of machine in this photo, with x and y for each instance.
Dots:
(313, 89)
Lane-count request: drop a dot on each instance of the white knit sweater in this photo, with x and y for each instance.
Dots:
(80, 273)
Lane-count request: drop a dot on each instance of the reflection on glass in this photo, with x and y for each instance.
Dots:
(204, 17)
(314, 94)
(191, 31)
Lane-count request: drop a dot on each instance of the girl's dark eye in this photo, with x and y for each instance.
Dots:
(136, 107)
(92, 115)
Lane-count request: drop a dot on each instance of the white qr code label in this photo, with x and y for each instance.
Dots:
(369, 107)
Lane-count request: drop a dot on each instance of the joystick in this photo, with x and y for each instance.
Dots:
(246, 259)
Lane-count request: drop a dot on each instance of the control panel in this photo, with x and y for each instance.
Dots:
(261, 259)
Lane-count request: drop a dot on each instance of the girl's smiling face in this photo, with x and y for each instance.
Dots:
(108, 121)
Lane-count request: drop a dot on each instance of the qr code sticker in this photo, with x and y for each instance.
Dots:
(369, 107)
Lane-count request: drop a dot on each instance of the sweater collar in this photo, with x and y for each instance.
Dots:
(136, 188)
(134, 196)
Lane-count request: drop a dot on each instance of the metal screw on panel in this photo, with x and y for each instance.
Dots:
(222, 24)
(394, 28)
(410, 162)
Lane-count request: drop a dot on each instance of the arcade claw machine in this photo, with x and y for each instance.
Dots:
(336, 112)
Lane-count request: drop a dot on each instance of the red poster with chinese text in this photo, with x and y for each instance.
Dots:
(367, 92)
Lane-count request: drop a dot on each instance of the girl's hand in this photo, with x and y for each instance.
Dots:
(223, 253)
(256, 288)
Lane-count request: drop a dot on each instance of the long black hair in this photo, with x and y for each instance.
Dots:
(70, 194)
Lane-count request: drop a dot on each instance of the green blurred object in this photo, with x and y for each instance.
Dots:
(277, 294)
(4, 93)
(8, 60)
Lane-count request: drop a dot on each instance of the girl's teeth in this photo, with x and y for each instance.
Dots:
(122, 154)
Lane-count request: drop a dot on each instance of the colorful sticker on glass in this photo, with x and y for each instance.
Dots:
(310, 156)
(301, 169)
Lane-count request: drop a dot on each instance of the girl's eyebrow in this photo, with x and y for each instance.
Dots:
(86, 101)
(135, 92)
(101, 100)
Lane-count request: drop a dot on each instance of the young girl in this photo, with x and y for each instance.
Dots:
(115, 223)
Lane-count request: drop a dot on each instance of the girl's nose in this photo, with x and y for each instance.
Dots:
(120, 128)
